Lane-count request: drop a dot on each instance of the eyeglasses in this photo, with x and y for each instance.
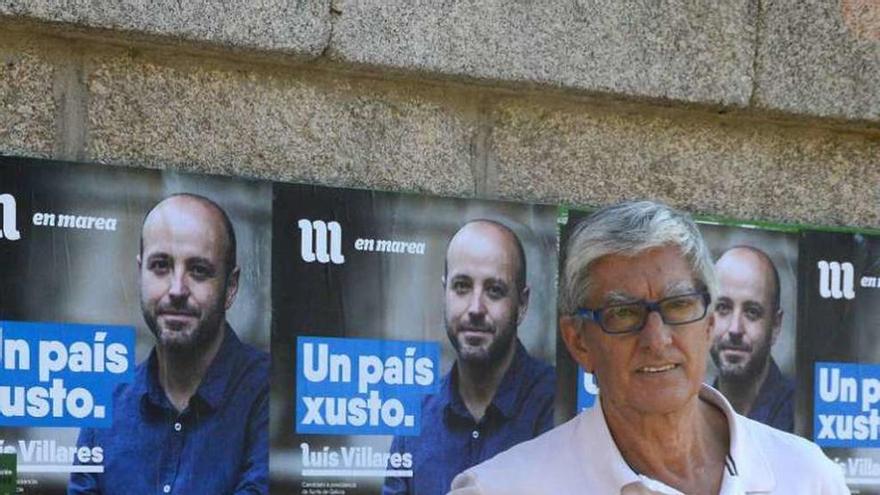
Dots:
(631, 317)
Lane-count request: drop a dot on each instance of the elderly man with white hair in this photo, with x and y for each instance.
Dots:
(637, 287)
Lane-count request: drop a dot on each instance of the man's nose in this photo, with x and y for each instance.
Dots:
(179, 287)
(476, 306)
(655, 334)
(735, 327)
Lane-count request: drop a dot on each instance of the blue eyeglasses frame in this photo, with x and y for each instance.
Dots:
(595, 315)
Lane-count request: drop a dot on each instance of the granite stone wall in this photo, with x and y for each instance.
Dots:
(752, 109)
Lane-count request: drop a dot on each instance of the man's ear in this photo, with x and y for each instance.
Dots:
(139, 262)
(575, 339)
(710, 328)
(232, 287)
(777, 326)
(523, 305)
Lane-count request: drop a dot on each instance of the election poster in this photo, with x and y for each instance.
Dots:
(98, 267)
(752, 353)
(838, 351)
(398, 319)
(752, 359)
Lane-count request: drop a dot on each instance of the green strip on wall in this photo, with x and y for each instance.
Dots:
(8, 471)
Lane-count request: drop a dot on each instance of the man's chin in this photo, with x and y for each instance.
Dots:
(473, 355)
(738, 372)
(177, 340)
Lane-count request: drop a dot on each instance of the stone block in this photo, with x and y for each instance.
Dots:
(669, 50)
(579, 155)
(27, 105)
(296, 28)
(286, 126)
(820, 58)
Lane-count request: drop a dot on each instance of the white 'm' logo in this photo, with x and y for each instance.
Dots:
(831, 284)
(325, 233)
(8, 226)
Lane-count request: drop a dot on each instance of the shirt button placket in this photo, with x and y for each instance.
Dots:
(173, 455)
(473, 455)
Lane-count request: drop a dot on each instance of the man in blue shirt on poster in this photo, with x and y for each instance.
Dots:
(195, 418)
(748, 318)
(496, 395)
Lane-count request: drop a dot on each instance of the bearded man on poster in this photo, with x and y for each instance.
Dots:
(495, 395)
(637, 287)
(195, 418)
(748, 318)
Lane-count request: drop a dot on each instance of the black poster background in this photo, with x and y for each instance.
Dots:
(837, 330)
(15, 180)
(375, 295)
(72, 275)
(47, 274)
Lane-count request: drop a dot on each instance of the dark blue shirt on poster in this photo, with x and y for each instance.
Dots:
(451, 441)
(217, 445)
(774, 405)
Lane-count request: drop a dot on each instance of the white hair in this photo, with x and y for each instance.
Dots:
(628, 229)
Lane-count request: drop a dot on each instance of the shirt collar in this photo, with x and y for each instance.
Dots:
(146, 382)
(772, 386)
(213, 386)
(746, 471)
(746, 457)
(506, 396)
(596, 442)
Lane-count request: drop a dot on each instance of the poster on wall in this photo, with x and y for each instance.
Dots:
(134, 330)
(838, 351)
(752, 358)
(752, 354)
(398, 320)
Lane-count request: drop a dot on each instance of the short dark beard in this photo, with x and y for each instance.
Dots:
(745, 375)
(201, 338)
(494, 355)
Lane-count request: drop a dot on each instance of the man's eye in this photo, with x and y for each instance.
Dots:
(496, 291)
(753, 314)
(460, 286)
(623, 313)
(675, 304)
(159, 266)
(200, 272)
(722, 308)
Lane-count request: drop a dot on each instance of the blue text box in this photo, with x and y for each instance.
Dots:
(62, 374)
(588, 390)
(363, 386)
(846, 397)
